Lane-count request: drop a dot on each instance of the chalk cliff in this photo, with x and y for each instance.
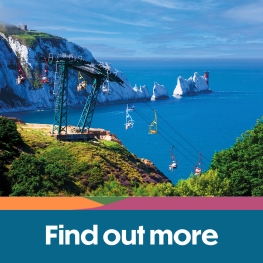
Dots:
(26, 47)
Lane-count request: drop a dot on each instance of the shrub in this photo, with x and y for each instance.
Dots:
(208, 184)
(110, 188)
(25, 175)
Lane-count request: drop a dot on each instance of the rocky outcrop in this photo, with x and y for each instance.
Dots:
(159, 92)
(191, 86)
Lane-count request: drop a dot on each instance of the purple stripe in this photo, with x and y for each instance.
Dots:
(186, 203)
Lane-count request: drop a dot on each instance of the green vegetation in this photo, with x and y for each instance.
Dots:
(43, 166)
(242, 164)
(28, 38)
(35, 164)
(10, 140)
(208, 184)
(25, 39)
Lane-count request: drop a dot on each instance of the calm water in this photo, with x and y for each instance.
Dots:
(205, 123)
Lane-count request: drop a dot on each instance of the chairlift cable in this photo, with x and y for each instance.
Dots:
(165, 138)
(174, 140)
(176, 131)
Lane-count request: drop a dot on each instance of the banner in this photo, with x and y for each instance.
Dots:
(177, 230)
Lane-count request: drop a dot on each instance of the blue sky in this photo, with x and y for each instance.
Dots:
(148, 28)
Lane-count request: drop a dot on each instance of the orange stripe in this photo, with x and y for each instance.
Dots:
(47, 203)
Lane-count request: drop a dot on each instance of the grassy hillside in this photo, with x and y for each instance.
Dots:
(35, 163)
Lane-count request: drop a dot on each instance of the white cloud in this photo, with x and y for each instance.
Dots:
(182, 5)
(72, 29)
(256, 41)
(115, 41)
(163, 3)
(251, 13)
(142, 23)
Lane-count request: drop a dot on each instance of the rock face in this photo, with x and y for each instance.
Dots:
(142, 92)
(159, 92)
(191, 86)
(32, 94)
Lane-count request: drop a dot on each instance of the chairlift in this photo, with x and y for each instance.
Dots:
(106, 84)
(153, 125)
(198, 166)
(21, 74)
(174, 162)
(82, 83)
(44, 77)
(129, 121)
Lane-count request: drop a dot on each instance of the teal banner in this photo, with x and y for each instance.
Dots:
(131, 236)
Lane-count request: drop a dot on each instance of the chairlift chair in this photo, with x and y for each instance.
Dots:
(174, 162)
(198, 166)
(129, 121)
(44, 77)
(153, 125)
(106, 85)
(82, 83)
(21, 74)
(197, 171)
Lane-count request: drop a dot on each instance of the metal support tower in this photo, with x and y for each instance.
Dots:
(88, 111)
(94, 70)
(61, 108)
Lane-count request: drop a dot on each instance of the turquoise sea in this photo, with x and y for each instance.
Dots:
(204, 123)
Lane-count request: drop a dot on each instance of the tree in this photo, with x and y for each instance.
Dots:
(4, 183)
(242, 164)
(10, 139)
(9, 136)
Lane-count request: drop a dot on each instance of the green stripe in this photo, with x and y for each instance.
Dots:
(105, 200)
